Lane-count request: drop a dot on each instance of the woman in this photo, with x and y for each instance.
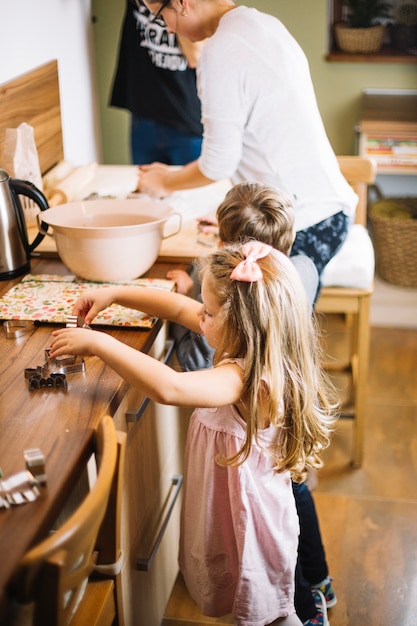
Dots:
(261, 120)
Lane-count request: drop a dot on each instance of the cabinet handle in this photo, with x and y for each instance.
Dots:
(134, 415)
(144, 563)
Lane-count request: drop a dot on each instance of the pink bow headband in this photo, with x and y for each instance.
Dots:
(248, 270)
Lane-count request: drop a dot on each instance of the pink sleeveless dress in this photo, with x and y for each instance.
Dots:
(239, 525)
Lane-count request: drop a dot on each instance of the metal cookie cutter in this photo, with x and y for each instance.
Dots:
(35, 464)
(76, 321)
(41, 377)
(54, 381)
(16, 328)
(67, 364)
(52, 373)
(18, 489)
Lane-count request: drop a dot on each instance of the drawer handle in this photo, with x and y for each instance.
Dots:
(144, 563)
(134, 415)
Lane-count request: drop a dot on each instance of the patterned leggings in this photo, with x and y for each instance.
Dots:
(321, 241)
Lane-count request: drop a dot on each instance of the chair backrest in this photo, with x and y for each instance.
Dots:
(359, 172)
(54, 573)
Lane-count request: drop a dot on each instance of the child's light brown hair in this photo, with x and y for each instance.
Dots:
(256, 211)
(268, 324)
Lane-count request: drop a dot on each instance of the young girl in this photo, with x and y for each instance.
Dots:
(264, 414)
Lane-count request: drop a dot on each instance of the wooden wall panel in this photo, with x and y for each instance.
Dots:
(34, 98)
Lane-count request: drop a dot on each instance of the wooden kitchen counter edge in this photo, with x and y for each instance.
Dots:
(59, 423)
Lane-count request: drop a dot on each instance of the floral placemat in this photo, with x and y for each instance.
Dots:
(49, 298)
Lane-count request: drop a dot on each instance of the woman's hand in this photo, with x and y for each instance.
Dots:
(91, 302)
(153, 179)
(160, 180)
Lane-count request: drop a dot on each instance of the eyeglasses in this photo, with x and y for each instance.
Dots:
(158, 15)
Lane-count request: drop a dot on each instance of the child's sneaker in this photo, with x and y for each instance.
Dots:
(327, 590)
(320, 618)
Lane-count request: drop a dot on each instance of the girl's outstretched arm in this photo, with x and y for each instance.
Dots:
(208, 388)
(156, 302)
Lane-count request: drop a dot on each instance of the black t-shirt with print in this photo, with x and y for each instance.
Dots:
(152, 78)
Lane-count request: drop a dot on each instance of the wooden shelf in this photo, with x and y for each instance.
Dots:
(386, 55)
(397, 170)
(389, 110)
(387, 130)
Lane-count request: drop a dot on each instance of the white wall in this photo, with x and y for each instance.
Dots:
(33, 32)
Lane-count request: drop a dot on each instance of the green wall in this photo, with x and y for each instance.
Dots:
(107, 22)
(338, 85)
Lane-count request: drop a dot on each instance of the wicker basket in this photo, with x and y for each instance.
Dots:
(360, 40)
(393, 226)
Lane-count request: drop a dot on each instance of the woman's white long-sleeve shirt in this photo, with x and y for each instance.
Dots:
(261, 119)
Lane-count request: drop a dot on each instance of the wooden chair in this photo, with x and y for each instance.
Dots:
(354, 305)
(57, 575)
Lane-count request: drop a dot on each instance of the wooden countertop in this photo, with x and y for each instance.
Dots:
(59, 423)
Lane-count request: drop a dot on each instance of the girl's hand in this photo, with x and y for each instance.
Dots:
(91, 302)
(74, 341)
(183, 281)
(207, 224)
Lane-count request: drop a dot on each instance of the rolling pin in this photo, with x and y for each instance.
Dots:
(70, 188)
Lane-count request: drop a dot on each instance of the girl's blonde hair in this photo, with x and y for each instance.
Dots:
(257, 211)
(269, 324)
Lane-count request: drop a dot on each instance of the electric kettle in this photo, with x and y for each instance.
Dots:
(15, 249)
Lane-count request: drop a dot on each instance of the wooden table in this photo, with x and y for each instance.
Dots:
(59, 423)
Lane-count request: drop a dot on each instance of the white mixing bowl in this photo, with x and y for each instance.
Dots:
(109, 240)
